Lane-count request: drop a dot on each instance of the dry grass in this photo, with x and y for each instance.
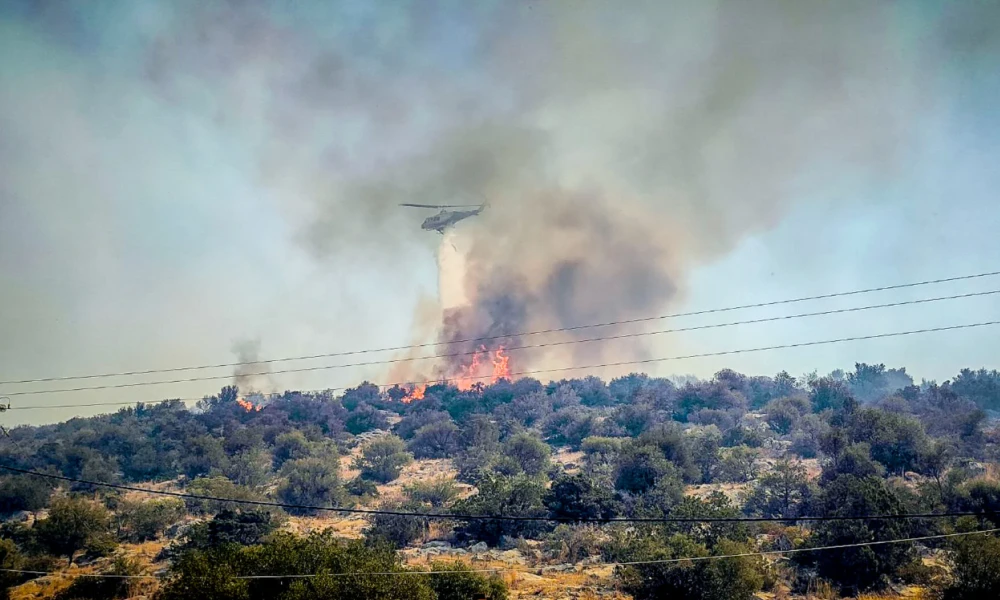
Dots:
(914, 593)
(50, 586)
(704, 490)
(569, 459)
(589, 581)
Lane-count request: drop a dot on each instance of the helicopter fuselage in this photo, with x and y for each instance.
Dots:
(447, 218)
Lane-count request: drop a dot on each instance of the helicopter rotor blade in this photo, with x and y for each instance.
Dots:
(440, 205)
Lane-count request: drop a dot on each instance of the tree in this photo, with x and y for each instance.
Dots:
(809, 430)
(291, 445)
(250, 468)
(634, 418)
(456, 581)
(739, 464)
(714, 506)
(416, 419)
(383, 459)
(601, 451)
(864, 567)
(656, 502)
(673, 445)
(139, 521)
(569, 426)
(854, 460)
(365, 418)
(72, 524)
(717, 395)
(213, 573)
(704, 444)
(366, 393)
(976, 572)
(783, 413)
(982, 387)
(780, 493)
(121, 582)
(518, 495)
(245, 528)
(22, 492)
(869, 383)
(311, 482)
(638, 468)
(737, 578)
(435, 440)
(397, 530)
(218, 487)
(830, 394)
(204, 455)
(530, 453)
(897, 441)
(578, 497)
(11, 561)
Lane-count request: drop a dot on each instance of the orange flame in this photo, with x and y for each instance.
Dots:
(248, 406)
(501, 365)
(417, 393)
(478, 371)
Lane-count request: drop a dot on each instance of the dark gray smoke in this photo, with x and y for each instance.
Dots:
(251, 376)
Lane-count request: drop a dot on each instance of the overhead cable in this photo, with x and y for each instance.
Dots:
(555, 370)
(506, 336)
(470, 517)
(545, 567)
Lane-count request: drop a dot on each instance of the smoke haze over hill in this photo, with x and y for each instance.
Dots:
(187, 175)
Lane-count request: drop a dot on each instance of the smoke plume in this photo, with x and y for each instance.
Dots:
(234, 169)
(251, 376)
(618, 149)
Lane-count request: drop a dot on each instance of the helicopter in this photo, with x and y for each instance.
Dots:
(446, 218)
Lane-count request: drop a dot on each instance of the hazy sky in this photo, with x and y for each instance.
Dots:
(179, 180)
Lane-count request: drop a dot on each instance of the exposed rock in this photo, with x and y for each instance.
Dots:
(437, 544)
(512, 556)
(21, 516)
(480, 547)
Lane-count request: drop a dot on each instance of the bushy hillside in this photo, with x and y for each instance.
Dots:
(566, 454)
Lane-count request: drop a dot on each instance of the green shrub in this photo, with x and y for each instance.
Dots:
(202, 574)
(721, 579)
(436, 492)
(457, 581)
(398, 530)
(435, 440)
(75, 524)
(107, 588)
(231, 527)
(218, 487)
(139, 521)
(501, 495)
(361, 487)
(530, 453)
(383, 459)
(976, 572)
(311, 482)
(23, 492)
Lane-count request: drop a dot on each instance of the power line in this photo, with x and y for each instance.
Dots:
(511, 348)
(576, 368)
(467, 517)
(500, 337)
(548, 567)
